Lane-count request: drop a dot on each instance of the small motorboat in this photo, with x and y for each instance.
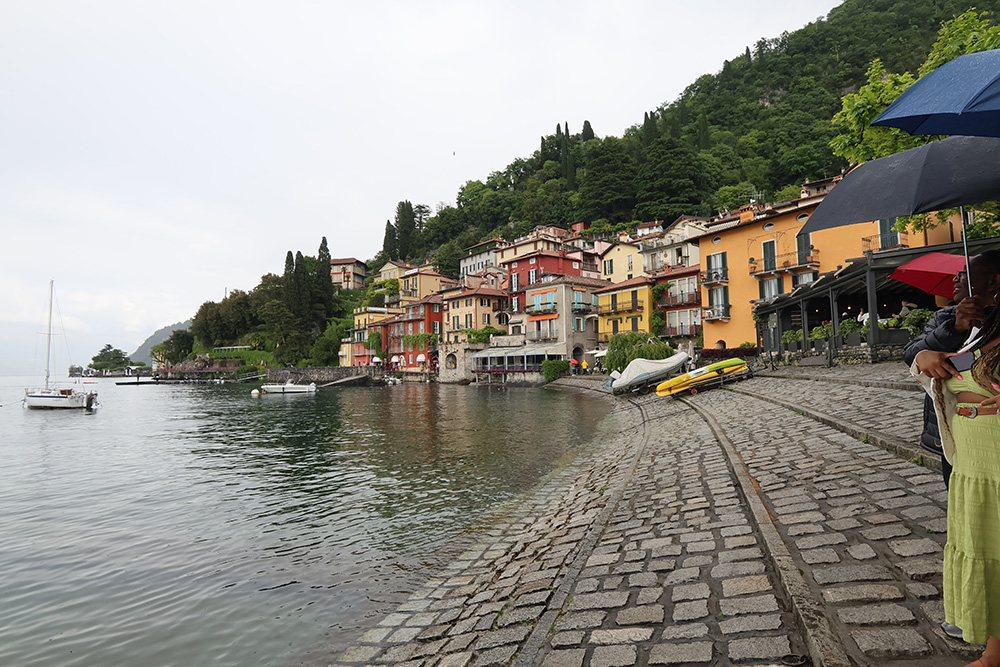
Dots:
(705, 377)
(643, 374)
(288, 388)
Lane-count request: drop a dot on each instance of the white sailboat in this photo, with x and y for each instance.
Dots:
(52, 397)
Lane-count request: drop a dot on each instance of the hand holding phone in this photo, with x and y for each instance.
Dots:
(963, 361)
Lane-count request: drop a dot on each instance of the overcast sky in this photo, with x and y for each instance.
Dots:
(155, 154)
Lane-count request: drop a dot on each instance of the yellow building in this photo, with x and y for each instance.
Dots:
(621, 262)
(758, 254)
(625, 306)
(393, 269)
(419, 283)
(473, 308)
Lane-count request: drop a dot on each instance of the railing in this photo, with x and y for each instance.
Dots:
(715, 312)
(785, 262)
(579, 307)
(547, 307)
(683, 299)
(712, 276)
(885, 241)
(540, 335)
(520, 368)
(682, 330)
(629, 307)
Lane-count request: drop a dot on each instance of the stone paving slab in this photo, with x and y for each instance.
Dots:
(668, 545)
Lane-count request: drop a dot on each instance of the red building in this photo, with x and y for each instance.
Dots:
(410, 340)
(529, 269)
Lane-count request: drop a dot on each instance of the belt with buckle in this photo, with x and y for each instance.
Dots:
(974, 412)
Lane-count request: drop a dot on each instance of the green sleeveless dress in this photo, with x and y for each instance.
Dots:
(972, 553)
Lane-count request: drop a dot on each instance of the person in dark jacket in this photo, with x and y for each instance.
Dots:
(949, 328)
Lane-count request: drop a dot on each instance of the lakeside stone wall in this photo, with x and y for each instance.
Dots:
(321, 375)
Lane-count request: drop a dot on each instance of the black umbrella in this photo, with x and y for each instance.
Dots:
(957, 171)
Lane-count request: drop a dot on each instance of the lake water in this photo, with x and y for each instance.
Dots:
(196, 525)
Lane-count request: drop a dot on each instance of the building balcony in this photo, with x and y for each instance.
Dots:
(580, 308)
(789, 261)
(683, 299)
(885, 241)
(540, 309)
(540, 335)
(629, 307)
(682, 330)
(715, 313)
(715, 276)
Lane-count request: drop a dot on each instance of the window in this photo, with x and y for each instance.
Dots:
(576, 265)
(409, 328)
(531, 261)
(770, 287)
(532, 276)
(630, 262)
(420, 328)
(514, 265)
(609, 266)
(469, 322)
(579, 324)
(454, 322)
(468, 303)
(436, 308)
(770, 256)
(484, 301)
(513, 282)
(436, 327)
(513, 303)
(486, 318)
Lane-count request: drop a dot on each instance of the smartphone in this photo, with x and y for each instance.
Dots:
(962, 362)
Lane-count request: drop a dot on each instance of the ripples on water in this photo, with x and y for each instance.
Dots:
(195, 525)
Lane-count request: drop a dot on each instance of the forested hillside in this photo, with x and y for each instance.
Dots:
(755, 129)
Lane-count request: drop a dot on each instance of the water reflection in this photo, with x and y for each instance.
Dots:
(227, 530)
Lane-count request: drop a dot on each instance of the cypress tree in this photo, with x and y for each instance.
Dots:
(588, 132)
(405, 228)
(301, 285)
(389, 248)
(323, 284)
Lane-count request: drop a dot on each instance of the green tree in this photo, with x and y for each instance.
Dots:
(607, 189)
(323, 297)
(447, 261)
(669, 183)
(389, 248)
(109, 359)
(588, 132)
(405, 229)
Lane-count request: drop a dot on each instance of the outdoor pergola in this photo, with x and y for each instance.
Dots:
(862, 283)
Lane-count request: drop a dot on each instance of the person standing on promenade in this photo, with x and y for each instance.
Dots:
(949, 328)
(966, 396)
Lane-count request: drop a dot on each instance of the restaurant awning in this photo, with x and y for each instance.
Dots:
(520, 351)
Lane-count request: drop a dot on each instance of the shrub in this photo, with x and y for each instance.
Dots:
(554, 368)
(821, 332)
(747, 343)
(916, 320)
(630, 345)
(791, 336)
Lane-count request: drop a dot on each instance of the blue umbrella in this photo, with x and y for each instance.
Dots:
(960, 97)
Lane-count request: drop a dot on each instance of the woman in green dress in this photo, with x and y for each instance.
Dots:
(967, 398)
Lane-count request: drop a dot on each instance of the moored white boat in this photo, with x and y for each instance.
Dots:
(288, 388)
(56, 398)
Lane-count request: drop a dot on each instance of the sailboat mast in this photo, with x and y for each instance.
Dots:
(48, 337)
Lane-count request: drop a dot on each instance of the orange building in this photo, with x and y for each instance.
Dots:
(758, 254)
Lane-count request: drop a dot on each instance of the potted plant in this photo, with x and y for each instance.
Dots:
(792, 338)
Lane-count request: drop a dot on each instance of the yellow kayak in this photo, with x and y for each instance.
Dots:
(700, 377)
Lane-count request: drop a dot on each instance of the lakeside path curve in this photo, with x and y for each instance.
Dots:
(778, 520)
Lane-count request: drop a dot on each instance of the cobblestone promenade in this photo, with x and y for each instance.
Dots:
(761, 524)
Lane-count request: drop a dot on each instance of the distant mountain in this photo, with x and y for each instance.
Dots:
(143, 351)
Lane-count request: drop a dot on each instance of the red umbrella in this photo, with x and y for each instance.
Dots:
(573, 361)
(933, 273)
